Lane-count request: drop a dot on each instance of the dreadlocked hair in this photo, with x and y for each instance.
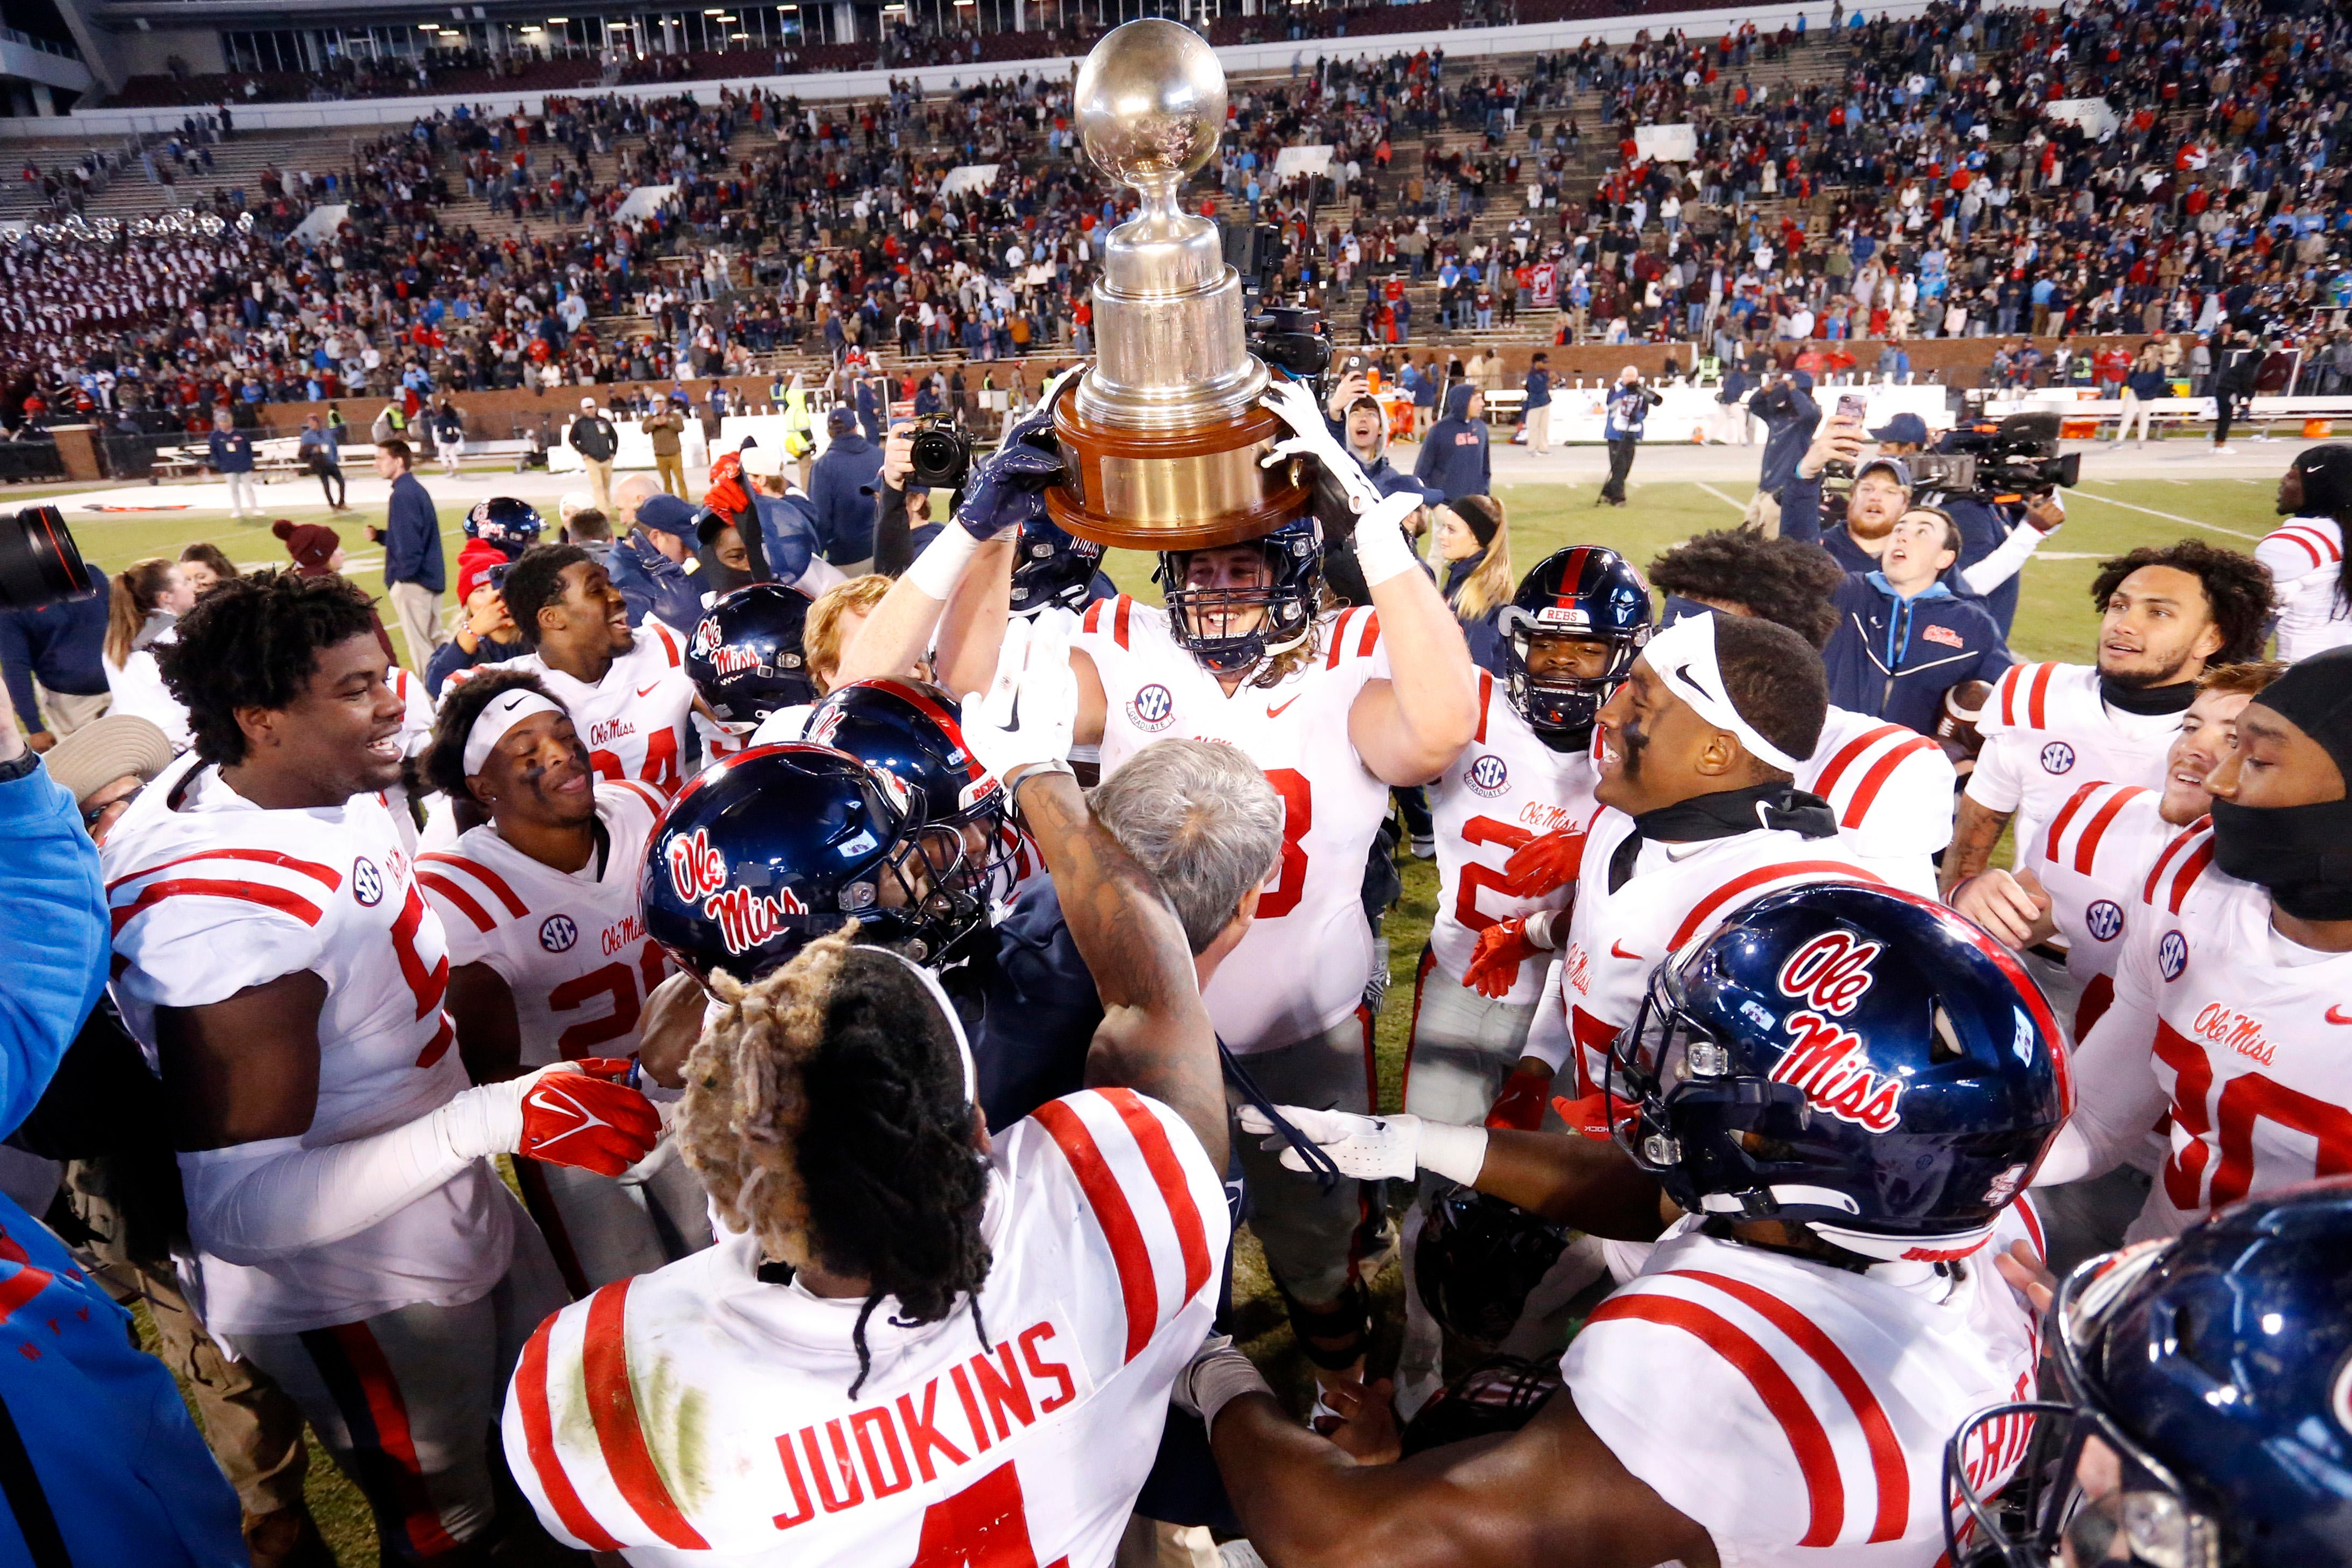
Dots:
(825, 1113)
(254, 642)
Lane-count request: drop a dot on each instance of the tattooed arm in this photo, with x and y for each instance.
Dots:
(1155, 1035)
(1975, 832)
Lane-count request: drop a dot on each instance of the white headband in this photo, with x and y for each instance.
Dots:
(1682, 656)
(502, 713)
(955, 1023)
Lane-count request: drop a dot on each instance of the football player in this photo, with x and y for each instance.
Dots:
(914, 1341)
(2231, 998)
(1841, 1093)
(2165, 615)
(628, 689)
(548, 953)
(273, 953)
(2225, 1444)
(2306, 554)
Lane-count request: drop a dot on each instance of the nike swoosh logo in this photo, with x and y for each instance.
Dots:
(1617, 949)
(1682, 674)
(648, 691)
(1274, 712)
(2337, 1014)
(549, 1098)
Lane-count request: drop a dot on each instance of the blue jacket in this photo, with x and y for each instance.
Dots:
(230, 452)
(1629, 411)
(62, 644)
(841, 483)
(1045, 1008)
(1894, 659)
(412, 537)
(450, 658)
(1454, 454)
(651, 584)
(788, 534)
(118, 1473)
(1538, 389)
(1789, 415)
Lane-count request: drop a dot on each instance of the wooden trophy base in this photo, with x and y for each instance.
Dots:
(1181, 490)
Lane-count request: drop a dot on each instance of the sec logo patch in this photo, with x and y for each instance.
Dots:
(1153, 708)
(367, 882)
(2172, 955)
(557, 933)
(2104, 920)
(1489, 776)
(2057, 757)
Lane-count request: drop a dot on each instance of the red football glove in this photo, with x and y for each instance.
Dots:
(1543, 863)
(1521, 1103)
(1494, 966)
(1589, 1116)
(586, 1119)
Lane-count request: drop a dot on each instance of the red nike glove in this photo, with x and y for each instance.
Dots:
(1543, 863)
(1521, 1103)
(586, 1119)
(1589, 1116)
(1494, 966)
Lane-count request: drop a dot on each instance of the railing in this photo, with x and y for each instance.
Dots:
(47, 45)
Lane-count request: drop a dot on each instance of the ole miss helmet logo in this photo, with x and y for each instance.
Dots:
(1824, 1058)
(1489, 776)
(706, 638)
(367, 882)
(2104, 920)
(1153, 708)
(557, 933)
(2057, 757)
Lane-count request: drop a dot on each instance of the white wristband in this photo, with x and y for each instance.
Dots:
(937, 570)
(1456, 1153)
(1538, 932)
(1216, 1378)
(1381, 550)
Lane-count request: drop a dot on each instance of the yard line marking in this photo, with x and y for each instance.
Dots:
(2167, 516)
(1734, 505)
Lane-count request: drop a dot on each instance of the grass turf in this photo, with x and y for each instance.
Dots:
(2054, 620)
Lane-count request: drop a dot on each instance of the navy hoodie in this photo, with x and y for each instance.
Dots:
(842, 483)
(1895, 659)
(1454, 453)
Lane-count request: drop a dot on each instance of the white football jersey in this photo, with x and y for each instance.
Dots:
(2048, 732)
(698, 1415)
(571, 946)
(1505, 788)
(1302, 967)
(211, 894)
(1891, 790)
(2250, 1037)
(1677, 894)
(1800, 1412)
(633, 720)
(2306, 556)
(2090, 860)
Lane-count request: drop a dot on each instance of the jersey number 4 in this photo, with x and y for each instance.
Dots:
(661, 762)
(986, 1525)
(617, 980)
(1476, 877)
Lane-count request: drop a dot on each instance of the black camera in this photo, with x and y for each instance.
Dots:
(39, 562)
(2009, 461)
(1291, 336)
(940, 453)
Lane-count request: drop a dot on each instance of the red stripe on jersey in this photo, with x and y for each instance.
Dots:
(433, 881)
(486, 877)
(2036, 712)
(2190, 870)
(2032, 1218)
(1824, 1488)
(669, 642)
(2179, 842)
(539, 1441)
(1851, 751)
(2293, 536)
(646, 792)
(2009, 685)
(1371, 638)
(327, 874)
(22, 1285)
(1159, 1159)
(1706, 907)
(1136, 1288)
(1486, 695)
(1340, 637)
(1093, 622)
(1887, 1466)
(1119, 621)
(427, 1537)
(1876, 779)
(2052, 835)
(612, 1406)
(275, 898)
(2086, 848)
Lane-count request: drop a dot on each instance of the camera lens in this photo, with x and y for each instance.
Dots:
(939, 459)
(39, 562)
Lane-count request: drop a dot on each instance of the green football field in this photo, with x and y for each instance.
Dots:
(2054, 620)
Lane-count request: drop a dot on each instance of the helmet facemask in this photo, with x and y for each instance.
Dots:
(1285, 600)
(1562, 705)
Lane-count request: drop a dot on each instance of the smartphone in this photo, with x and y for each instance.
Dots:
(1355, 365)
(1850, 405)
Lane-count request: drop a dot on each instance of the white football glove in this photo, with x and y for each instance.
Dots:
(1030, 710)
(1375, 1147)
(1381, 550)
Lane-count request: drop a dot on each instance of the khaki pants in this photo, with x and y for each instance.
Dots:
(1538, 423)
(600, 482)
(671, 468)
(419, 612)
(63, 712)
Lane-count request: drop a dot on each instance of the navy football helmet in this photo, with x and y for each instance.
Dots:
(745, 656)
(2217, 1371)
(1293, 559)
(765, 852)
(1855, 1059)
(510, 524)
(1477, 1257)
(1586, 593)
(1051, 566)
(914, 732)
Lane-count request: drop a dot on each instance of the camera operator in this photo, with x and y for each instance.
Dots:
(1785, 404)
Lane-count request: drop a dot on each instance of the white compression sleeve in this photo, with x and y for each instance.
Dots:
(940, 565)
(2005, 561)
(820, 576)
(252, 1201)
(1456, 1153)
(1548, 1037)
